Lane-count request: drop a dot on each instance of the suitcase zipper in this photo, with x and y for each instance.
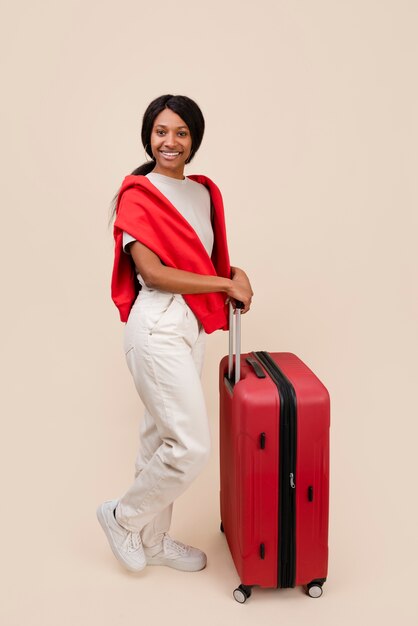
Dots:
(287, 470)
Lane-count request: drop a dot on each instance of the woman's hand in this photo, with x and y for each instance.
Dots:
(240, 289)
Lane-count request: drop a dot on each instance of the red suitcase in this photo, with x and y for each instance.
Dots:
(274, 469)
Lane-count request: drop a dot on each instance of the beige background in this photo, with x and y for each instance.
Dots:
(311, 113)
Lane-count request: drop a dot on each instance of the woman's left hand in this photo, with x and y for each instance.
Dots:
(238, 274)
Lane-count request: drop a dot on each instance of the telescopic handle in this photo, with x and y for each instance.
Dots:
(239, 305)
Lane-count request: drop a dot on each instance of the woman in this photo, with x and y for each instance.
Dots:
(171, 282)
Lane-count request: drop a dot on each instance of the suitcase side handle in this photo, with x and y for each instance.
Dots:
(239, 305)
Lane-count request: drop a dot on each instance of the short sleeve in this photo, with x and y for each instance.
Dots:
(127, 239)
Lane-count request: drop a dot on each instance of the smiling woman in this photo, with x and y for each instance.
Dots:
(170, 232)
(171, 144)
(167, 117)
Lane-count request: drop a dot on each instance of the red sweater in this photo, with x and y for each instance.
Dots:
(146, 214)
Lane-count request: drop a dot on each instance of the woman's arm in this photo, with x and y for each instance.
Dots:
(158, 276)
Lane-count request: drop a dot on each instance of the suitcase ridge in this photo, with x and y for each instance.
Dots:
(287, 470)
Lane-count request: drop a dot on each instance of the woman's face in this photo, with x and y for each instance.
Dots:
(171, 144)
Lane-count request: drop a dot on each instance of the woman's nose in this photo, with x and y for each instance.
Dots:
(170, 140)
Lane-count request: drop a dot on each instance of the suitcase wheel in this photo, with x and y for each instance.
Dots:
(315, 590)
(222, 528)
(242, 593)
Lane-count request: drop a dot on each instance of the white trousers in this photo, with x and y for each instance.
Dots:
(164, 345)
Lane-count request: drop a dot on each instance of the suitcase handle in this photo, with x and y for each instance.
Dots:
(239, 305)
(259, 372)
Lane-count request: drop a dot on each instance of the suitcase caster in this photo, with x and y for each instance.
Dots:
(222, 528)
(242, 593)
(315, 590)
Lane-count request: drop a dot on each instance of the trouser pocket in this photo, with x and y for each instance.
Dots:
(156, 315)
(161, 314)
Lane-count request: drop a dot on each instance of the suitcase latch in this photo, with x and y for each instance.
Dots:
(292, 482)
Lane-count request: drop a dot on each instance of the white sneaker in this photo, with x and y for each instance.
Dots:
(126, 545)
(178, 555)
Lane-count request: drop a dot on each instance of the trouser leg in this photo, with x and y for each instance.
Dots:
(166, 366)
(153, 532)
(149, 442)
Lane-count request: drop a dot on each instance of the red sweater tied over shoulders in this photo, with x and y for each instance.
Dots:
(146, 214)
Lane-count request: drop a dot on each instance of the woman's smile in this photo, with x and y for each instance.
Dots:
(171, 144)
(170, 155)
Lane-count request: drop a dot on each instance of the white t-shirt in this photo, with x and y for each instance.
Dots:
(191, 199)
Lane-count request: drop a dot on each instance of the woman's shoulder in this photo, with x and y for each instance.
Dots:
(204, 180)
(133, 184)
(130, 180)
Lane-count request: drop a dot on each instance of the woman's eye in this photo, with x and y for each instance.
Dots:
(182, 132)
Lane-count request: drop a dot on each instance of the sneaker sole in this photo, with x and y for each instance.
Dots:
(183, 567)
(102, 521)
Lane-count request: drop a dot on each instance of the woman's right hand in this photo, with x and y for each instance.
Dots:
(240, 289)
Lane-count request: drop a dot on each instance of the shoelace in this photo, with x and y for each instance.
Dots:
(132, 542)
(178, 546)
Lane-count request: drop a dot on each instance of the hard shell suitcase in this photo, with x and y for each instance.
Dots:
(274, 468)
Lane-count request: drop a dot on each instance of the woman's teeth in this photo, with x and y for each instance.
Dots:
(170, 155)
